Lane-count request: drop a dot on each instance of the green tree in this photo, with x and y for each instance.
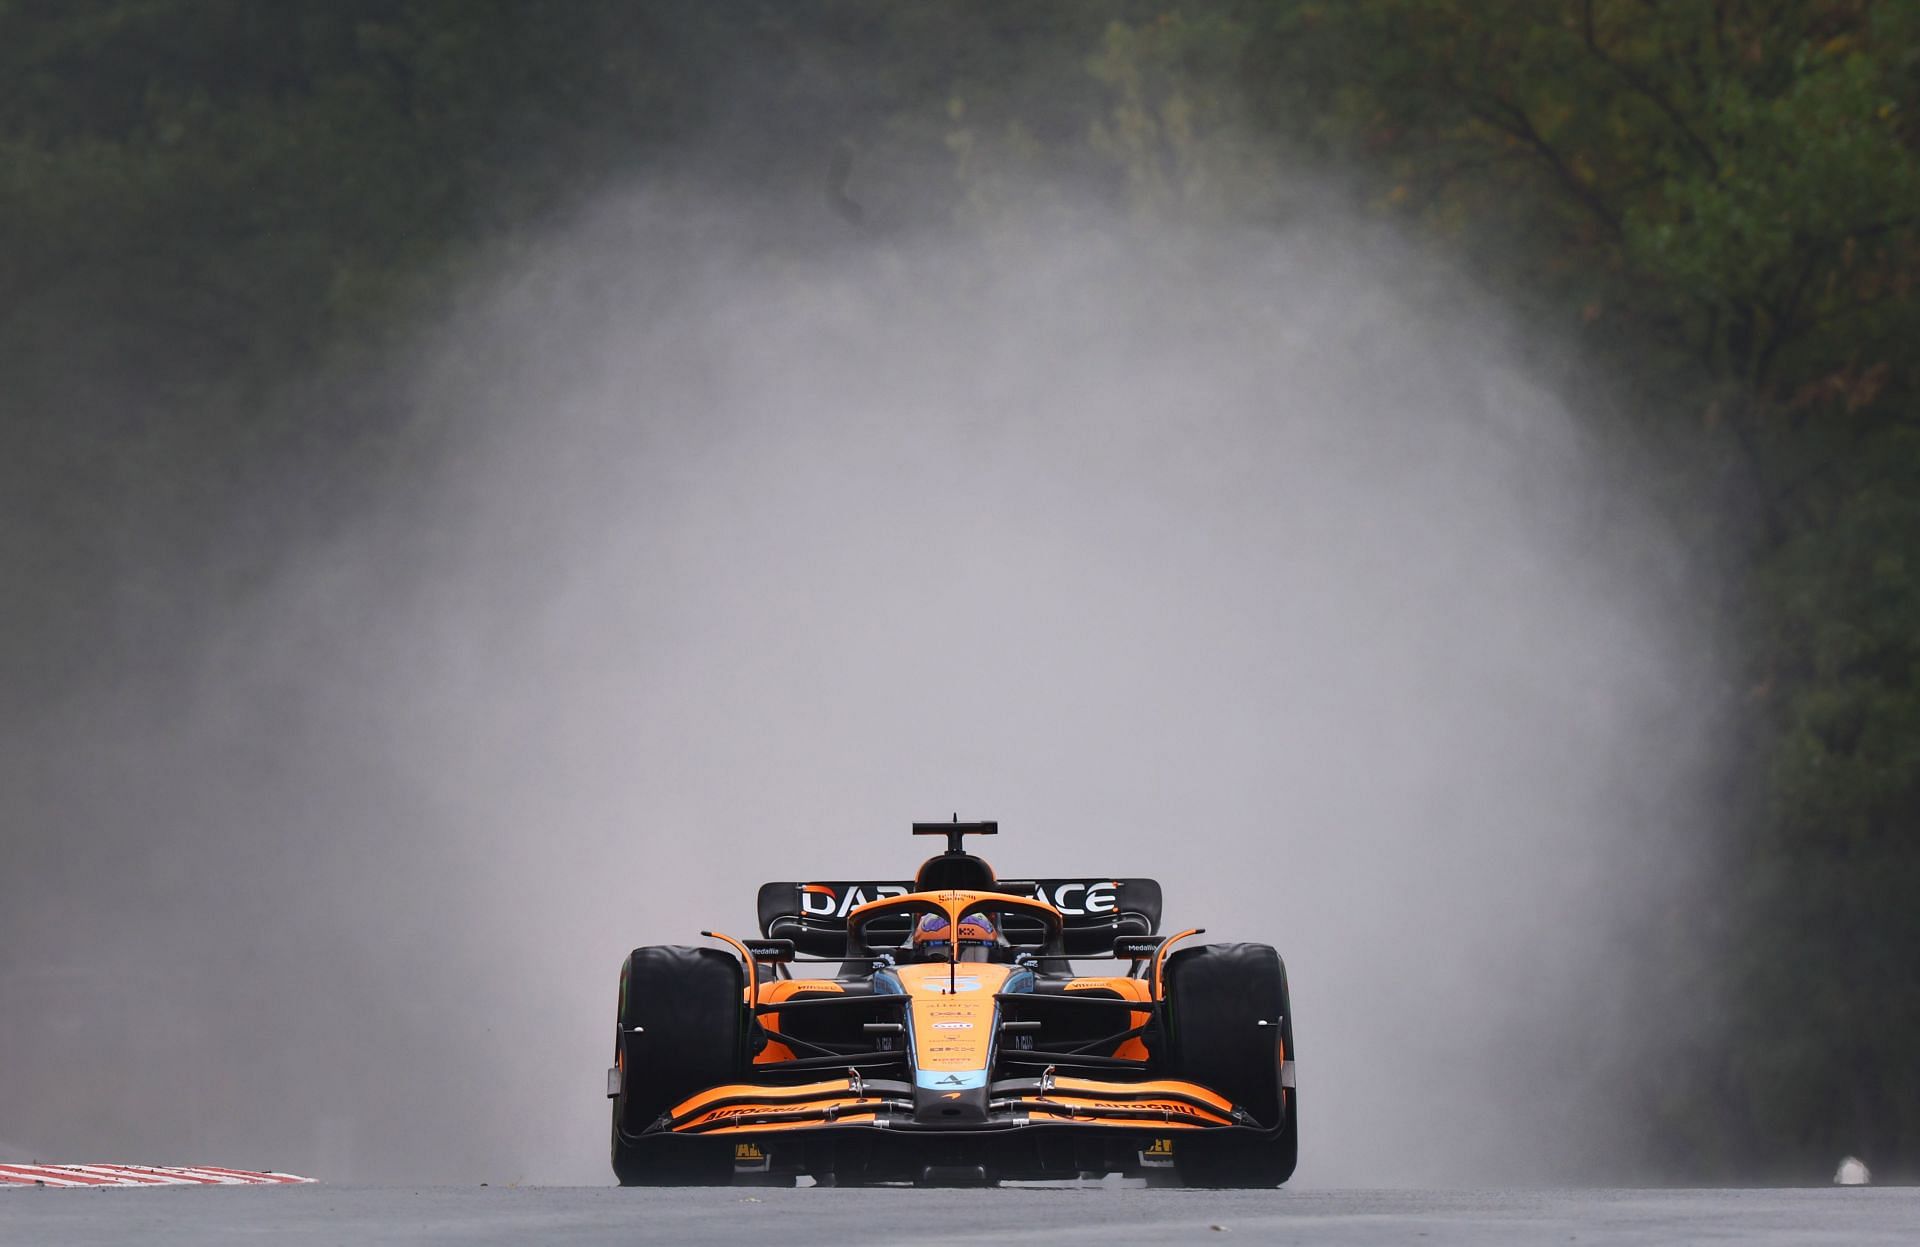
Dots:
(1723, 195)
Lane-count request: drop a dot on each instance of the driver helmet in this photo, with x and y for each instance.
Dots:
(933, 935)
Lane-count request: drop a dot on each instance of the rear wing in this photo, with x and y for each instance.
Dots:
(1096, 911)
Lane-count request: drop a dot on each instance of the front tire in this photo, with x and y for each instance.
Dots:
(1218, 996)
(680, 1031)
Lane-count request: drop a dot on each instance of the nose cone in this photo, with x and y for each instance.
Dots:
(937, 1105)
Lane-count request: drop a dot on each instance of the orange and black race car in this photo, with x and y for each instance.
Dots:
(938, 1031)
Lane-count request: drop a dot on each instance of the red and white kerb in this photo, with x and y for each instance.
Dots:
(140, 1175)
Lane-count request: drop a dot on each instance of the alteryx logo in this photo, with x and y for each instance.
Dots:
(818, 900)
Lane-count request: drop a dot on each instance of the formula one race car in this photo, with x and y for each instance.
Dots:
(948, 1039)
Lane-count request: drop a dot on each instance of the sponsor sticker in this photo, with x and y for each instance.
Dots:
(1153, 1106)
(953, 1026)
(1086, 985)
(818, 900)
(1075, 898)
(1079, 899)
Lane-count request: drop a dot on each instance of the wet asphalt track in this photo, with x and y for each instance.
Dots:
(1066, 1214)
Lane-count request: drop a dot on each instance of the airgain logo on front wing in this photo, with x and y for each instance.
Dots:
(1157, 1156)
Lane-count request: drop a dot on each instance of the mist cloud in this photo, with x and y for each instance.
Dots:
(1258, 562)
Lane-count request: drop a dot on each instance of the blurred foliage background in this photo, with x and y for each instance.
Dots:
(222, 221)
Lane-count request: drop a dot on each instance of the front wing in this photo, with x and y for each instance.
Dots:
(1011, 1104)
(861, 1130)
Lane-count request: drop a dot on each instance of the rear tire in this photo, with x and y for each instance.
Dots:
(686, 1003)
(1217, 996)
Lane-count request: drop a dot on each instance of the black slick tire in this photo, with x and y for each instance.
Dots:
(1218, 997)
(681, 1031)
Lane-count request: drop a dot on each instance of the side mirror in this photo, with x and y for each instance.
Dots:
(770, 952)
(1137, 947)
